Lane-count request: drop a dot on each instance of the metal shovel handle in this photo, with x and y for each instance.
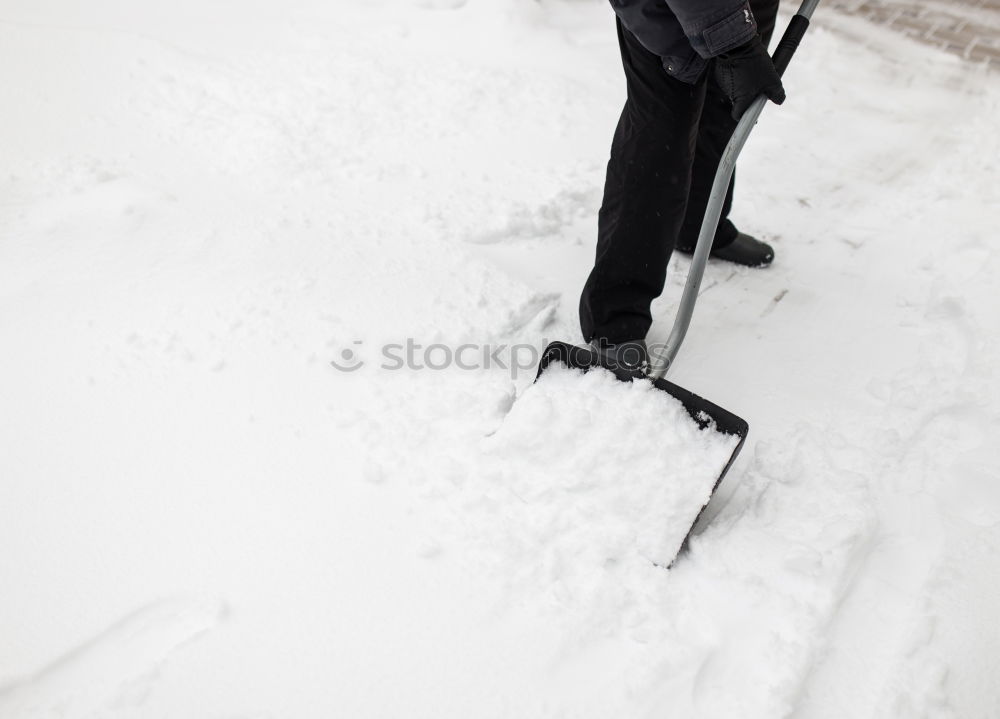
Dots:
(782, 56)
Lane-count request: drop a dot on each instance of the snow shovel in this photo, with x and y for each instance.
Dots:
(707, 415)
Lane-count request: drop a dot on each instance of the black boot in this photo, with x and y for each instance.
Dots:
(744, 250)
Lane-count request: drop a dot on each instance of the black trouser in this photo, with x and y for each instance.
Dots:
(664, 155)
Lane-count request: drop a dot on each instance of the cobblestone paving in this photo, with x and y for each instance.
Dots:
(967, 28)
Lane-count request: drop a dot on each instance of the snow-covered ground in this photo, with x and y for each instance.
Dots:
(204, 204)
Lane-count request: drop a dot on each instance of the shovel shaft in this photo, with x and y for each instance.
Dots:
(685, 310)
(793, 36)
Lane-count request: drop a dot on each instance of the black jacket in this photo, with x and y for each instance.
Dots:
(686, 33)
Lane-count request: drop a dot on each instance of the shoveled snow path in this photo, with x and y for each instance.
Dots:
(201, 517)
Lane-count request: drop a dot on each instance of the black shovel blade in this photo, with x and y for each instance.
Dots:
(706, 414)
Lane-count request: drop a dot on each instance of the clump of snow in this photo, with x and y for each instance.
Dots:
(625, 464)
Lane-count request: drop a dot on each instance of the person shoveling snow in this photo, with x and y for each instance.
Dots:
(668, 142)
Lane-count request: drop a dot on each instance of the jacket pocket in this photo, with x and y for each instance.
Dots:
(730, 32)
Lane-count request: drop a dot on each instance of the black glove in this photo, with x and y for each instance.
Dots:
(745, 72)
